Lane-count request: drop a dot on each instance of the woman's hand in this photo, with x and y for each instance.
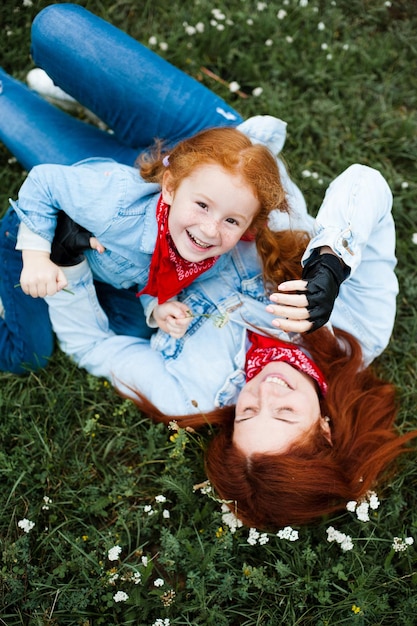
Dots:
(172, 317)
(290, 307)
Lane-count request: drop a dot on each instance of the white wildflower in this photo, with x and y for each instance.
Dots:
(404, 185)
(288, 533)
(257, 92)
(289, 39)
(199, 27)
(351, 506)
(261, 6)
(163, 45)
(152, 41)
(27, 3)
(158, 582)
(144, 560)
(26, 525)
(160, 498)
(345, 541)
(414, 238)
(388, 4)
(253, 536)
(229, 519)
(161, 622)
(362, 512)
(373, 500)
(218, 14)
(190, 30)
(281, 14)
(263, 539)
(324, 46)
(220, 26)
(234, 86)
(136, 577)
(320, 26)
(120, 596)
(400, 545)
(47, 501)
(166, 514)
(114, 553)
(249, 21)
(113, 578)
(303, 3)
(148, 509)
(345, 46)
(306, 173)
(269, 42)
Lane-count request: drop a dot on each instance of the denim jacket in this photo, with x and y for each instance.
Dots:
(205, 368)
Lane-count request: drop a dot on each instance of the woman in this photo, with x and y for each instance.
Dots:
(344, 428)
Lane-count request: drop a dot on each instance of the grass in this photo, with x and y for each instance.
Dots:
(86, 467)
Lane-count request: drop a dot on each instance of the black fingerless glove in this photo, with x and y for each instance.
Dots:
(69, 242)
(324, 274)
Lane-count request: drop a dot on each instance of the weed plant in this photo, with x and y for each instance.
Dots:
(100, 521)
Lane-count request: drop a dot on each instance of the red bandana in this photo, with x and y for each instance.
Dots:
(169, 273)
(266, 349)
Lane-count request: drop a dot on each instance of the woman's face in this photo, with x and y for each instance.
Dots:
(275, 409)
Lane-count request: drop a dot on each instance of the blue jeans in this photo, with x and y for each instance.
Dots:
(139, 95)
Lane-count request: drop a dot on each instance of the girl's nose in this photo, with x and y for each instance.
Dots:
(210, 228)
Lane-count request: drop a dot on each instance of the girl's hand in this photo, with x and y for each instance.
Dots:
(40, 277)
(96, 245)
(290, 307)
(172, 317)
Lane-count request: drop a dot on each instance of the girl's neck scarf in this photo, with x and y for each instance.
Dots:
(169, 273)
(263, 350)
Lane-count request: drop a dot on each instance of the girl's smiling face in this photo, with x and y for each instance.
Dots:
(209, 211)
(275, 409)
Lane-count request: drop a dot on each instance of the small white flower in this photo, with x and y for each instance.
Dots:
(373, 500)
(120, 596)
(288, 533)
(113, 578)
(321, 26)
(229, 519)
(263, 539)
(253, 536)
(199, 27)
(306, 173)
(136, 577)
(346, 544)
(166, 514)
(148, 509)
(220, 26)
(190, 30)
(27, 3)
(47, 501)
(261, 6)
(213, 23)
(303, 3)
(144, 560)
(163, 45)
(404, 185)
(161, 622)
(281, 14)
(345, 46)
(269, 42)
(388, 4)
(400, 545)
(26, 525)
(362, 512)
(249, 21)
(351, 506)
(257, 92)
(158, 582)
(324, 46)
(218, 14)
(114, 553)
(289, 39)
(234, 86)
(160, 498)
(414, 238)
(152, 41)
(345, 541)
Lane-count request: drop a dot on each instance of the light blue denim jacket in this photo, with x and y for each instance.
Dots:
(205, 368)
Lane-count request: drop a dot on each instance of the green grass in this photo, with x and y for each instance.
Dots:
(68, 437)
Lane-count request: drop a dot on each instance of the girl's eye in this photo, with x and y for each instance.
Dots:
(231, 220)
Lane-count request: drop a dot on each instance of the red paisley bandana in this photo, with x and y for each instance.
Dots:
(266, 349)
(169, 273)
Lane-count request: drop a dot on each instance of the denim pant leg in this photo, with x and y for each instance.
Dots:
(124, 311)
(37, 132)
(139, 95)
(26, 339)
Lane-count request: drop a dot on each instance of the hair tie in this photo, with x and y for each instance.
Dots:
(165, 160)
